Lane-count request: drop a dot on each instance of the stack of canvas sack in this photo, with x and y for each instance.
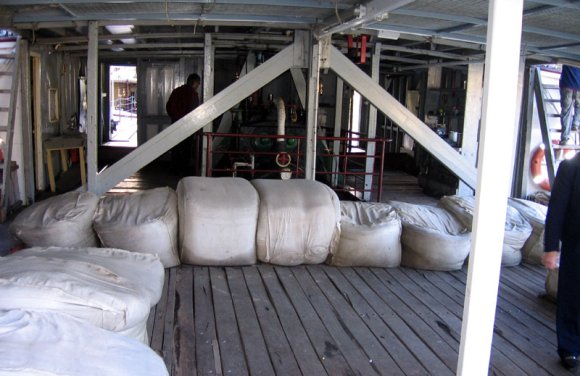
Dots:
(34, 343)
(535, 214)
(217, 221)
(145, 222)
(432, 238)
(110, 288)
(517, 228)
(370, 235)
(65, 221)
(298, 223)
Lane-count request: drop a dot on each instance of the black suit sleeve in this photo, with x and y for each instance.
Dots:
(559, 204)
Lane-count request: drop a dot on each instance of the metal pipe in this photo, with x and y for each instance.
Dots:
(281, 119)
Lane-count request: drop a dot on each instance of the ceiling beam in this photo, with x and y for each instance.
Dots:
(369, 13)
(316, 4)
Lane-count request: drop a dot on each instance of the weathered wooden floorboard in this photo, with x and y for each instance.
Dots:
(156, 341)
(229, 346)
(425, 357)
(449, 299)
(375, 351)
(307, 358)
(384, 334)
(168, 331)
(322, 320)
(281, 355)
(184, 326)
(436, 339)
(352, 352)
(207, 359)
(255, 348)
(513, 340)
(332, 359)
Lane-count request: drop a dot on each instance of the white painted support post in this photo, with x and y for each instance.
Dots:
(27, 137)
(312, 111)
(208, 84)
(372, 127)
(471, 120)
(92, 105)
(300, 84)
(337, 129)
(499, 112)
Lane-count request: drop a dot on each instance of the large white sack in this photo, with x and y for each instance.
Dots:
(535, 214)
(552, 284)
(145, 270)
(142, 222)
(65, 220)
(299, 221)
(51, 343)
(370, 235)
(517, 228)
(97, 292)
(432, 238)
(217, 221)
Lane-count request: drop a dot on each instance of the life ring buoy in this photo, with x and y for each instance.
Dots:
(538, 169)
(538, 166)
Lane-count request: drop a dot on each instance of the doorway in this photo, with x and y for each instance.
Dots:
(122, 106)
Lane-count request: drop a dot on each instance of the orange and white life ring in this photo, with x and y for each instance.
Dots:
(539, 170)
(538, 165)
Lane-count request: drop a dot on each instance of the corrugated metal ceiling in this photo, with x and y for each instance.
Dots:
(551, 30)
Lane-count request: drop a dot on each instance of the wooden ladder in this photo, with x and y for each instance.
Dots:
(9, 81)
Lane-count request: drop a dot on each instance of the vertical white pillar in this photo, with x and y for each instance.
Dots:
(312, 113)
(337, 129)
(208, 83)
(471, 119)
(92, 106)
(499, 112)
(372, 127)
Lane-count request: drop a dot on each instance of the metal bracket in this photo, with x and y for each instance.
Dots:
(325, 45)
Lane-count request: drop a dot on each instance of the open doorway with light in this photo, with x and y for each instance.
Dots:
(122, 106)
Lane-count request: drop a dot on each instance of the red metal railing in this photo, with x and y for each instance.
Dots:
(254, 155)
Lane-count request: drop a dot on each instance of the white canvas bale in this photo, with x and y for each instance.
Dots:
(370, 235)
(65, 220)
(535, 214)
(552, 284)
(432, 238)
(299, 221)
(517, 228)
(142, 222)
(51, 343)
(217, 221)
(112, 289)
(145, 270)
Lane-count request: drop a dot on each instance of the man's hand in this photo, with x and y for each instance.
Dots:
(551, 260)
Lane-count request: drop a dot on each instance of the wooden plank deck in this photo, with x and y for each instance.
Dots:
(322, 320)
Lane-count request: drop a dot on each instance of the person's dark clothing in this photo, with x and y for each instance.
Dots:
(184, 155)
(570, 77)
(562, 224)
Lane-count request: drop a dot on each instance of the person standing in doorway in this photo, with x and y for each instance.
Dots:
(562, 228)
(569, 101)
(182, 101)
